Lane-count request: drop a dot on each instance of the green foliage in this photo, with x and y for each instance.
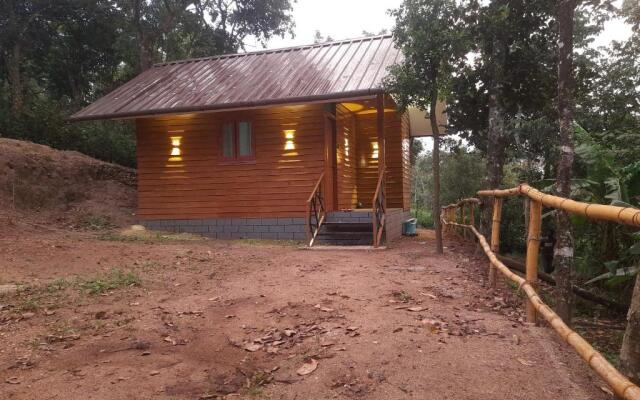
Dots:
(58, 56)
(463, 174)
(433, 40)
(425, 219)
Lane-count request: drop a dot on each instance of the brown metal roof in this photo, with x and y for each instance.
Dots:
(326, 71)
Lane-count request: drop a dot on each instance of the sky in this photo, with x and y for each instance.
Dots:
(344, 19)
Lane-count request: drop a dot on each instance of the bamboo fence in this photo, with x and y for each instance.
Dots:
(621, 386)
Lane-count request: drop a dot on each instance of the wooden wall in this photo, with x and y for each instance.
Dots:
(406, 162)
(346, 158)
(199, 185)
(397, 153)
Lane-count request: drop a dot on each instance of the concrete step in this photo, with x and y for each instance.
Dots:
(345, 234)
(348, 227)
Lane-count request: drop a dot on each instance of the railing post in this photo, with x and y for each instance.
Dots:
(533, 247)
(463, 221)
(495, 237)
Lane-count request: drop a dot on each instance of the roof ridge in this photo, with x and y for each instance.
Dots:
(280, 49)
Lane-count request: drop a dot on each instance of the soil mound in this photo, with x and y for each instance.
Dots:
(42, 185)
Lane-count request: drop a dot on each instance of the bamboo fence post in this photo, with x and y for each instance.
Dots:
(457, 214)
(462, 220)
(533, 248)
(495, 237)
(472, 214)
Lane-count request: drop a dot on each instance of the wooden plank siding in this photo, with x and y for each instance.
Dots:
(199, 185)
(406, 162)
(396, 137)
(346, 158)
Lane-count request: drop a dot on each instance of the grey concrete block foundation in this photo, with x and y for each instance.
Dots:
(286, 228)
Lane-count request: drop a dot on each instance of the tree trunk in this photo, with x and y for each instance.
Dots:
(15, 79)
(495, 155)
(563, 252)
(145, 53)
(630, 351)
(436, 168)
(496, 142)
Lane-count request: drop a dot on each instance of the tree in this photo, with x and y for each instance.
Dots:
(507, 85)
(626, 77)
(23, 30)
(563, 251)
(432, 37)
(162, 29)
(56, 56)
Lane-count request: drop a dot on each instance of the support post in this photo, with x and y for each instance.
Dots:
(533, 248)
(330, 162)
(380, 133)
(495, 237)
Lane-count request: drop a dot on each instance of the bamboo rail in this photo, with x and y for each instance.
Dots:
(623, 215)
(620, 384)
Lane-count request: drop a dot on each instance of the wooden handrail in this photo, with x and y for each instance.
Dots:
(315, 188)
(620, 384)
(316, 213)
(379, 210)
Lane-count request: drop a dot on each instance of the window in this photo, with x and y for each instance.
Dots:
(237, 141)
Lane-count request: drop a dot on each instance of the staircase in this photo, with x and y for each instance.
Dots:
(346, 228)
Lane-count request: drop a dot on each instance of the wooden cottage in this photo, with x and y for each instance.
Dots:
(297, 143)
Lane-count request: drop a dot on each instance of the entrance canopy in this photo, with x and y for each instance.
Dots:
(420, 123)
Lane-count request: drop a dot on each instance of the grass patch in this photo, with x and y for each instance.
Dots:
(114, 279)
(29, 305)
(147, 237)
(256, 383)
(269, 242)
(95, 222)
(402, 296)
(57, 285)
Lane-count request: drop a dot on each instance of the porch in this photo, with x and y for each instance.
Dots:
(365, 174)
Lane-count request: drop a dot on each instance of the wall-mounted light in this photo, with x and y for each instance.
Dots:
(289, 136)
(176, 150)
(175, 143)
(374, 153)
(346, 147)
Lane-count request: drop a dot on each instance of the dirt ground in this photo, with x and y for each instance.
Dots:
(105, 316)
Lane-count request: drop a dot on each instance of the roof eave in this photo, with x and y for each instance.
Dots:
(228, 107)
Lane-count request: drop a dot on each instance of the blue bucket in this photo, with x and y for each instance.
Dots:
(409, 227)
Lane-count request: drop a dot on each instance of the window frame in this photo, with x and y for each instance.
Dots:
(236, 158)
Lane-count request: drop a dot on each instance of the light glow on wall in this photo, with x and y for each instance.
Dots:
(289, 136)
(374, 153)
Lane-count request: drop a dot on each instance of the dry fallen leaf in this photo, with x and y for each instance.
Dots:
(252, 347)
(606, 390)
(525, 362)
(416, 309)
(308, 367)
